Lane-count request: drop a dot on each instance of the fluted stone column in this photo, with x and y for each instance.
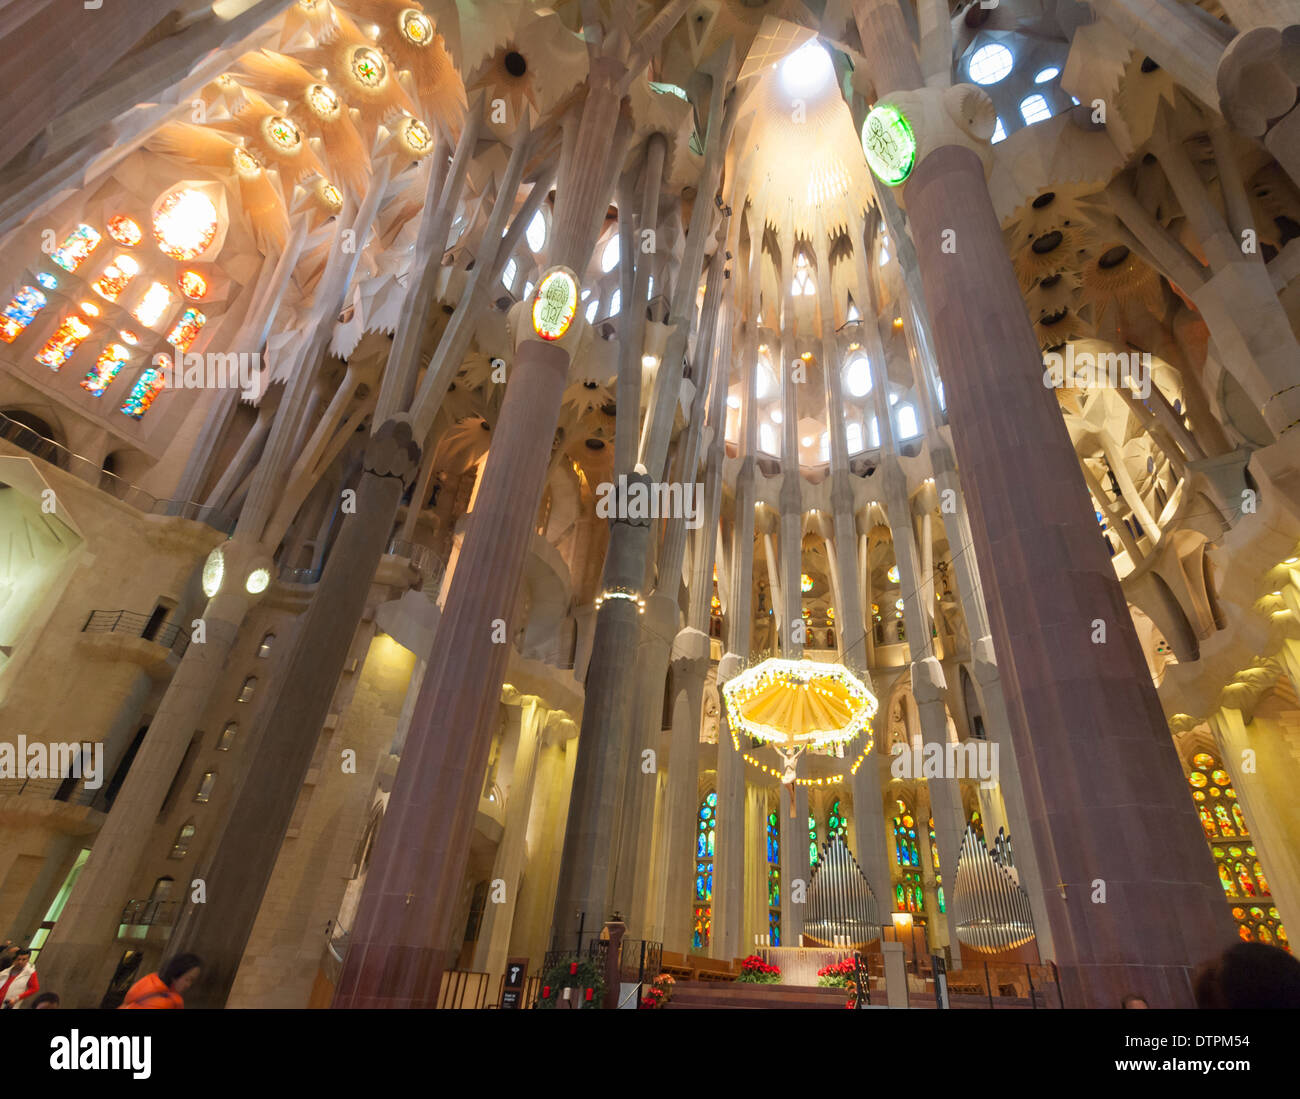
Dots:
(1048, 580)
(401, 942)
(598, 782)
(498, 919)
(80, 954)
(240, 863)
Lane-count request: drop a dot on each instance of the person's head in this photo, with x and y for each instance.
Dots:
(1249, 975)
(45, 999)
(1133, 1000)
(180, 972)
(22, 957)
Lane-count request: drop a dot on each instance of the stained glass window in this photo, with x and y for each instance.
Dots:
(193, 285)
(836, 822)
(76, 247)
(906, 853)
(125, 230)
(1235, 859)
(47, 280)
(156, 301)
(20, 312)
(812, 842)
(185, 224)
(705, 834)
(934, 860)
(909, 894)
(117, 274)
(774, 878)
(66, 339)
(143, 393)
(186, 329)
(106, 368)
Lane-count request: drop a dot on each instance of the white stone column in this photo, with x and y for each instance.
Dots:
(498, 918)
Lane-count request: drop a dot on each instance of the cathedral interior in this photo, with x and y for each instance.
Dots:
(485, 482)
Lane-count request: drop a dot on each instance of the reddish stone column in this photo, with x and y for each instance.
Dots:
(1108, 809)
(399, 941)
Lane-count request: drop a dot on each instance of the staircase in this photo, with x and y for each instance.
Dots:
(735, 995)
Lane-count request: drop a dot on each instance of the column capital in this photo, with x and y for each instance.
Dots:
(392, 451)
(1256, 77)
(962, 115)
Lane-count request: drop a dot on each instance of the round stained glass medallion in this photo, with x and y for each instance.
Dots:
(889, 144)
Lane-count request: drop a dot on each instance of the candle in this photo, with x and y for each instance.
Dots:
(546, 992)
(573, 967)
(589, 992)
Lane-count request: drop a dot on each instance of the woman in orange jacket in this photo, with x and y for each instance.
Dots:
(166, 988)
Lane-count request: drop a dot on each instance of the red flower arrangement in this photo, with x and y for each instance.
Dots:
(841, 974)
(753, 970)
(659, 992)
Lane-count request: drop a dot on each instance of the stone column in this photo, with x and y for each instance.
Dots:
(494, 934)
(81, 952)
(676, 850)
(598, 782)
(401, 940)
(1048, 580)
(240, 863)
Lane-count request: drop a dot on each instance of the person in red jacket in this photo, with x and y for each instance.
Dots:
(166, 988)
(19, 980)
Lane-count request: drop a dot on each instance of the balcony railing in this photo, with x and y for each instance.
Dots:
(150, 913)
(169, 636)
(58, 455)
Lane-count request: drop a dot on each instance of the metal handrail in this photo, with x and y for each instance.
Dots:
(150, 912)
(169, 636)
(56, 454)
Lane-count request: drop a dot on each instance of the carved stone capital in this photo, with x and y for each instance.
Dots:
(393, 452)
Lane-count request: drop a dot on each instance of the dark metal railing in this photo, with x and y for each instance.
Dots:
(149, 913)
(168, 635)
(56, 454)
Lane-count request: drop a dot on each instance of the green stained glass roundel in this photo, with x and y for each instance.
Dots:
(889, 144)
(555, 304)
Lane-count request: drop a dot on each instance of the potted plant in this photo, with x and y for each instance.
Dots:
(753, 970)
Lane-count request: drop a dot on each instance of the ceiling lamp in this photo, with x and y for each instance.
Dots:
(809, 69)
(185, 224)
(416, 28)
(330, 195)
(415, 136)
(282, 133)
(368, 68)
(323, 102)
(244, 162)
(795, 704)
(125, 230)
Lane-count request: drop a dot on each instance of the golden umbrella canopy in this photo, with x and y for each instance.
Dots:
(799, 704)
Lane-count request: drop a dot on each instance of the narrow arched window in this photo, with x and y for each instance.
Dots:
(705, 836)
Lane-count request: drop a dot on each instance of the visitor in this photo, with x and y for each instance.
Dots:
(8, 950)
(18, 981)
(166, 988)
(44, 1000)
(1133, 1000)
(1249, 975)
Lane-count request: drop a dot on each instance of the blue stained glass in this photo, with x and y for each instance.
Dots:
(711, 800)
(710, 844)
(47, 281)
(701, 843)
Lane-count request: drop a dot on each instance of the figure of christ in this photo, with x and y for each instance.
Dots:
(790, 756)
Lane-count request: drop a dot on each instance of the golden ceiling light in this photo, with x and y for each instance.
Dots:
(245, 164)
(367, 68)
(415, 136)
(283, 133)
(323, 102)
(330, 196)
(416, 27)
